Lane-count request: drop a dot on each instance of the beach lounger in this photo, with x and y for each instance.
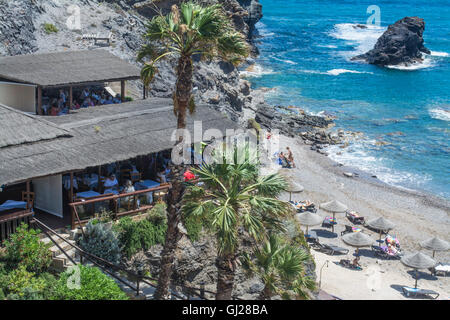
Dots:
(379, 252)
(350, 229)
(329, 222)
(329, 249)
(304, 206)
(311, 237)
(412, 292)
(441, 269)
(354, 217)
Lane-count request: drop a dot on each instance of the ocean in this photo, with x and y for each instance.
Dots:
(403, 113)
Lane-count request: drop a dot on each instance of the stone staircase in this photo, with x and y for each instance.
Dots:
(60, 261)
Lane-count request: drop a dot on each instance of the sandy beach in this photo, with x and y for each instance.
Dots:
(417, 217)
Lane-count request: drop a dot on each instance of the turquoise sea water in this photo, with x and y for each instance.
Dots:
(306, 48)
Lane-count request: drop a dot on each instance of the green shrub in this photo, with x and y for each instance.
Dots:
(50, 28)
(23, 284)
(194, 227)
(196, 224)
(20, 284)
(94, 285)
(24, 248)
(100, 240)
(158, 214)
(135, 236)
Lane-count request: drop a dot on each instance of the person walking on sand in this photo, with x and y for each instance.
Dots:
(290, 157)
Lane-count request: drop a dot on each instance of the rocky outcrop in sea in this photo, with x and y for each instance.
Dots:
(295, 122)
(402, 43)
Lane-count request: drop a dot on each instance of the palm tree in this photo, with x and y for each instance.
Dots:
(281, 268)
(240, 203)
(189, 30)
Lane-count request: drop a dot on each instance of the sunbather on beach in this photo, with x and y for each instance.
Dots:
(283, 161)
(290, 157)
(355, 262)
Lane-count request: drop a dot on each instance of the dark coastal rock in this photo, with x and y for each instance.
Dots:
(17, 28)
(312, 129)
(402, 43)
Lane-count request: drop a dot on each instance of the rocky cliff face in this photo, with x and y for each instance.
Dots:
(17, 28)
(216, 83)
(402, 43)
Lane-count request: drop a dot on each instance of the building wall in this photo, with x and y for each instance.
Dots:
(18, 96)
(48, 193)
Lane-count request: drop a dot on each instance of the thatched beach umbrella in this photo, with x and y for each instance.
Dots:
(435, 244)
(334, 207)
(292, 186)
(381, 224)
(417, 261)
(308, 219)
(357, 240)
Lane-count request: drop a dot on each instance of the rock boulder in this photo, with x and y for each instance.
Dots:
(402, 43)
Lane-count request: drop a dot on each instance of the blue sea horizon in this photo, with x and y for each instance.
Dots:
(403, 113)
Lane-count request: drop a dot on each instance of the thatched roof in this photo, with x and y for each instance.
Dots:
(67, 68)
(18, 128)
(102, 135)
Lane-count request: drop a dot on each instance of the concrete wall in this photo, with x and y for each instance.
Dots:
(18, 96)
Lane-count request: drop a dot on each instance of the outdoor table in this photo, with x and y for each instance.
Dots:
(94, 207)
(88, 194)
(11, 204)
(147, 184)
(109, 191)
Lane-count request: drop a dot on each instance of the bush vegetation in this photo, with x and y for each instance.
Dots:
(50, 28)
(135, 236)
(20, 284)
(94, 285)
(24, 248)
(100, 240)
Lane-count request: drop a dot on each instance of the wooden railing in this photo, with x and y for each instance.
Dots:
(10, 221)
(132, 204)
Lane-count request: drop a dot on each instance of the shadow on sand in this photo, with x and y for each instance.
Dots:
(325, 233)
(422, 275)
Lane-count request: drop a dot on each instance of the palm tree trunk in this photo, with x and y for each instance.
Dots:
(226, 269)
(266, 294)
(183, 91)
(181, 100)
(173, 234)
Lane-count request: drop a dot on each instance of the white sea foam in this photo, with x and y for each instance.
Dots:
(285, 60)
(440, 114)
(439, 54)
(336, 72)
(356, 155)
(427, 63)
(255, 71)
(330, 46)
(363, 38)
